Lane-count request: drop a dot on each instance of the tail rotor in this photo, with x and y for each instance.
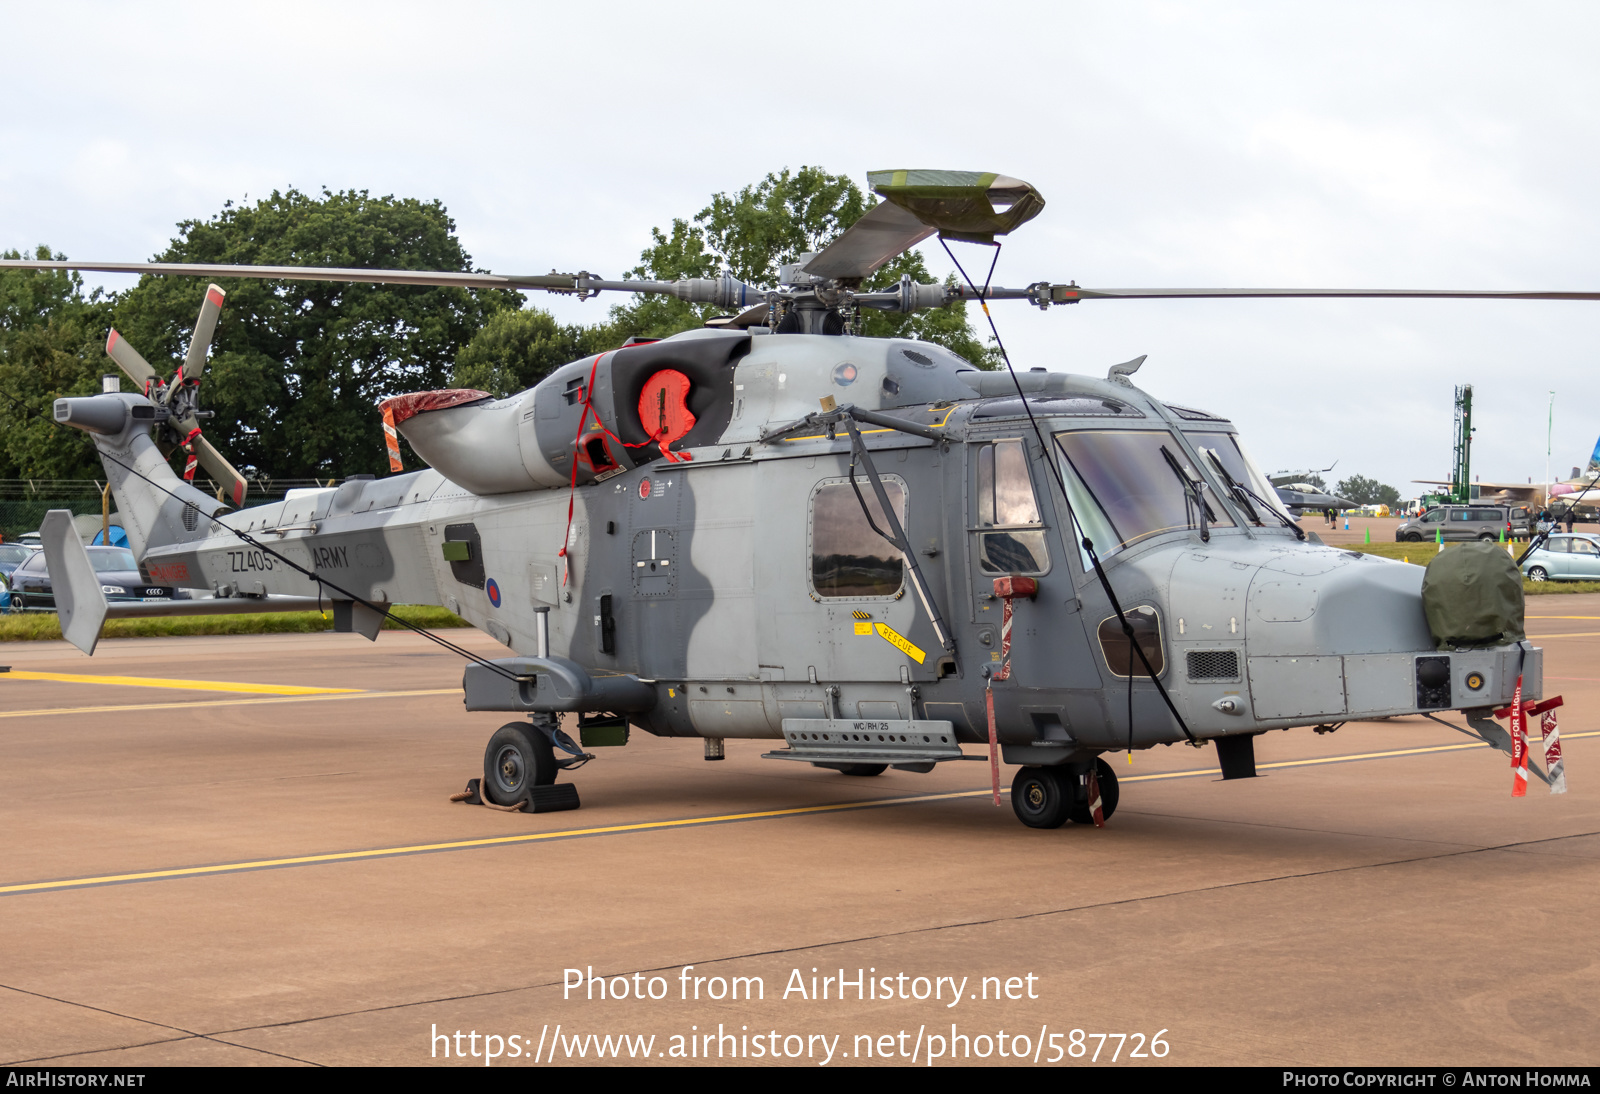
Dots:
(181, 398)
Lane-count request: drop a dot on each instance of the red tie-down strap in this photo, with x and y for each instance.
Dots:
(192, 461)
(1006, 588)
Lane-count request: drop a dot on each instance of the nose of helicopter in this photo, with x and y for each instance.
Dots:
(1336, 603)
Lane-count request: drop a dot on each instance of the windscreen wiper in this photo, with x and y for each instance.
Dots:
(1233, 486)
(1241, 492)
(1191, 491)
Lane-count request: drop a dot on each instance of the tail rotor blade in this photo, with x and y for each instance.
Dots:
(223, 472)
(204, 327)
(128, 359)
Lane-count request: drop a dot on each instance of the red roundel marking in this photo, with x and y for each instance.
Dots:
(663, 410)
(644, 488)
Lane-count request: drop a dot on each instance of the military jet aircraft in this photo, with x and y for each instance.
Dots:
(1298, 494)
(867, 552)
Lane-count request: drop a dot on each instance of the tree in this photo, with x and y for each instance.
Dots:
(299, 367)
(1365, 491)
(52, 342)
(516, 349)
(771, 224)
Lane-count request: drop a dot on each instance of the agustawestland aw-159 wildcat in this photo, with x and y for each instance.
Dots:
(865, 550)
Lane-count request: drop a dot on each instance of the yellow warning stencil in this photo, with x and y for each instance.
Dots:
(863, 628)
(900, 642)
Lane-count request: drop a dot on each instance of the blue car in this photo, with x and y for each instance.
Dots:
(1565, 558)
(12, 555)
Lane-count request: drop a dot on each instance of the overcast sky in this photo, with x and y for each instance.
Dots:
(1418, 145)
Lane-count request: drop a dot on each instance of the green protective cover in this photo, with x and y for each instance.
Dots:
(1472, 596)
(958, 203)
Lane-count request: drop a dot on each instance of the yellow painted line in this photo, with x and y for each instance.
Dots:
(458, 845)
(1563, 617)
(648, 826)
(225, 702)
(182, 685)
(1338, 759)
(1573, 634)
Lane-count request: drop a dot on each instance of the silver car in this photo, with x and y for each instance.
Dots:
(1453, 523)
(1565, 558)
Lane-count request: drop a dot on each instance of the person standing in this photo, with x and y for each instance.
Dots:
(1572, 518)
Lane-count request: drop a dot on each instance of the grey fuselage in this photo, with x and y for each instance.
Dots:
(698, 574)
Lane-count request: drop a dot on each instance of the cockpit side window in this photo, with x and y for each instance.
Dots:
(848, 559)
(1008, 505)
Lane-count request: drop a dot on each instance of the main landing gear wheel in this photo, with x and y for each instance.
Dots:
(863, 770)
(1538, 573)
(1108, 795)
(518, 758)
(1041, 797)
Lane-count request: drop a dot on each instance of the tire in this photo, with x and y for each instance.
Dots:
(1108, 795)
(1538, 573)
(1486, 538)
(864, 771)
(1413, 537)
(518, 758)
(1041, 797)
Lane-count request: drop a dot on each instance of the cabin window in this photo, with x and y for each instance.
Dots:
(848, 558)
(1008, 505)
(1119, 653)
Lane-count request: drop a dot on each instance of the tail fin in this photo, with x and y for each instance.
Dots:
(158, 508)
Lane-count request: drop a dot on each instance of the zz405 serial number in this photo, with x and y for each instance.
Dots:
(245, 562)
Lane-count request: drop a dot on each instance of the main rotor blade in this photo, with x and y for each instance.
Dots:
(1068, 294)
(308, 273)
(204, 327)
(128, 359)
(884, 232)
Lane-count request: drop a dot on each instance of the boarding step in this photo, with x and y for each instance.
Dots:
(914, 745)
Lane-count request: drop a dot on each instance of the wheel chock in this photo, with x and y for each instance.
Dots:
(541, 799)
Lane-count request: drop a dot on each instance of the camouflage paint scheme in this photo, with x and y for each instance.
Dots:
(730, 631)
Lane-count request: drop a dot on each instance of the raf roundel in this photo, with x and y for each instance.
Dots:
(845, 375)
(493, 589)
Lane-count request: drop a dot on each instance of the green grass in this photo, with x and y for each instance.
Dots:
(42, 626)
(1419, 554)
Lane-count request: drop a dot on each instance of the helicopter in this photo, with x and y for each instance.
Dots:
(867, 552)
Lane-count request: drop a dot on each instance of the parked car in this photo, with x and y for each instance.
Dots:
(1565, 558)
(115, 566)
(1460, 522)
(12, 555)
